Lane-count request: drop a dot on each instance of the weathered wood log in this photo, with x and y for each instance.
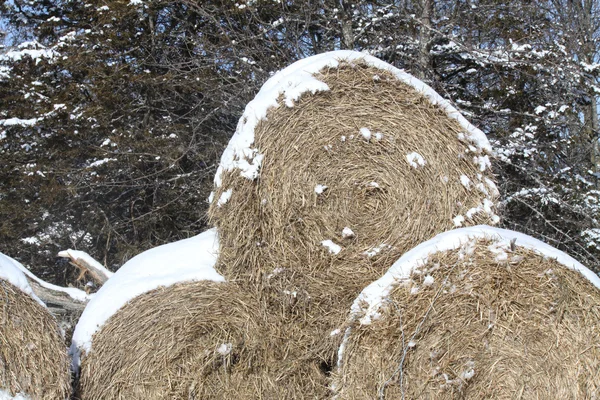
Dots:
(60, 298)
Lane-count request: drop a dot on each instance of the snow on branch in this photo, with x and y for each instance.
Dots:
(86, 264)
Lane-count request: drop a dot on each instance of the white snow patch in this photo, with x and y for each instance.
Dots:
(366, 133)
(4, 395)
(458, 220)
(35, 54)
(299, 78)
(472, 211)
(225, 349)
(107, 142)
(331, 246)
(347, 233)
(78, 254)
(224, 198)
(31, 240)
(319, 189)
(483, 162)
(499, 250)
(466, 182)
(186, 260)
(335, 332)
(101, 162)
(415, 160)
(492, 187)
(468, 374)
(13, 271)
(373, 251)
(19, 122)
(428, 281)
(5, 71)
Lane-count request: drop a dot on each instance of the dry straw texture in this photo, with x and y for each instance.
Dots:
(160, 344)
(33, 355)
(271, 229)
(522, 328)
(201, 340)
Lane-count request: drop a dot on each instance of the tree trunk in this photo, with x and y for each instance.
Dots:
(346, 21)
(425, 38)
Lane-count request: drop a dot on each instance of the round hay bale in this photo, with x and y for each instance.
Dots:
(148, 335)
(344, 154)
(171, 343)
(194, 340)
(338, 166)
(475, 313)
(144, 314)
(33, 357)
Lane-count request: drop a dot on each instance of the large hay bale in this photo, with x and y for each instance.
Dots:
(339, 165)
(33, 356)
(475, 313)
(165, 325)
(184, 340)
(165, 344)
(199, 340)
(357, 145)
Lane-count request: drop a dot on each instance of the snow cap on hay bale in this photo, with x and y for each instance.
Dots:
(475, 313)
(33, 357)
(190, 259)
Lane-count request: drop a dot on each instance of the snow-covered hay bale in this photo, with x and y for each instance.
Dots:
(198, 340)
(33, 356)
(475, 313)
(168, 344)
(342, 153)
(166, 326)
(339, 165)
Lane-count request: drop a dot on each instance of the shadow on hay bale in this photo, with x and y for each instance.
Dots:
(329, 178)
(33, 355)
(472, 315)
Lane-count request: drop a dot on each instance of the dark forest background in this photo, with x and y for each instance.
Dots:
(114, 114)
